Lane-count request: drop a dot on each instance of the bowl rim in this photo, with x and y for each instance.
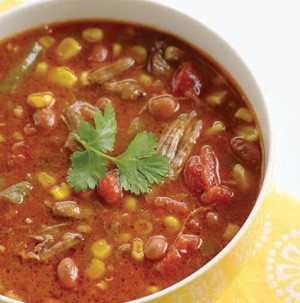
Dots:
(269, 158)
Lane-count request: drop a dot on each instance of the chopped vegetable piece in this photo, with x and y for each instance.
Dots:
(216, 98)
(18, 136)
(92, 34)
(109, 188)
(156, 247)
(146, 79)
(39, 100)
(61, 192)
(45, 118)
(201, 172)
(2, 138)
(67, 272)
(95, 270)
(103, 285)
(84, 78)
(84, 228)
(173, 53)
(159, 66)
(63, 77)
(17, 192)
(239, 174)
(217, 195)
(137, 252)
(187, 81)
(70, 209)
(2, 249)
(46, 41)
(136, 126)
(153, 289)
(244, 114)
(12, 81)
(172, 223)
(101, 249)
(67, 49)
(231, 231)
(124, 237)
(107, 72)
(216, 128)
(248, 133)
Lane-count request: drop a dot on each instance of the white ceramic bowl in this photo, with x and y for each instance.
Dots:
(205, 285)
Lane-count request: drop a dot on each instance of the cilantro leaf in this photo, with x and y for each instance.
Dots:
(102, 137)
(141, 166)
(87, 168)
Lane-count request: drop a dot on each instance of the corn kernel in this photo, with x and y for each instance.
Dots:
(124, 237)
(46, 41)
(110, 267)
(143, 227)
(61, 192)
(216, 98)
(84, 78)
(41, 68)
(145, 79)
(18, 111)
(95, 270)
(2, 249)
(231, 231)
(116, 48)
(67, 49)
(2, 139)
(9, 47)
(45, 179)
(140, 52)
(84, 228)
(240, 176)
(249, 133)
(130, 204)
(217, 127)
(172, 224)
(18, 136)
(103, 285)
(63, 77)
(137, 252)
(157, 84)
(101, 249)
(152, 289)
(173, 53)
(92, 34)
(40, 100)
(244, 114)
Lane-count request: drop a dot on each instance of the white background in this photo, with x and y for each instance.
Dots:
(266, 34)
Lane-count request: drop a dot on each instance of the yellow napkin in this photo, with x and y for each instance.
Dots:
(272, 274)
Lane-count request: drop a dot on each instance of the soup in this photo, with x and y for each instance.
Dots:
(129, 160)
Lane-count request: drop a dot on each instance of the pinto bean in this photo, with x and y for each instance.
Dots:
(162, 106)
(67, 272)
(155, 247)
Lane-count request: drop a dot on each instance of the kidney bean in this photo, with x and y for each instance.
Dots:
(162, 106)
(245, 151)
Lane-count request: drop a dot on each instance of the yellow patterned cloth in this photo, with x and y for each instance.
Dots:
(272, 274)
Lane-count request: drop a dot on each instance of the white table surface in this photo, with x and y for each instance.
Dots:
(266, 34)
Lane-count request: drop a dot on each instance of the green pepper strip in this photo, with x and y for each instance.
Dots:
(15, 76)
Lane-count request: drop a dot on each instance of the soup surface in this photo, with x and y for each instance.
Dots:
(94, 212)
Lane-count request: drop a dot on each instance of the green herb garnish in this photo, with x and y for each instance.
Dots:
(140, 166)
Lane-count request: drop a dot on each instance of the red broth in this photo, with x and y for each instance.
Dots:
(108, 244)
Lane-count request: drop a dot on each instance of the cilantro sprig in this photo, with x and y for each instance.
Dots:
(140, 166)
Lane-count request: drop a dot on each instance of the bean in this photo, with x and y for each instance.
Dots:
(67, 272)
(212, 218)
(245, 151)
(162, 106)
(156, 247)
